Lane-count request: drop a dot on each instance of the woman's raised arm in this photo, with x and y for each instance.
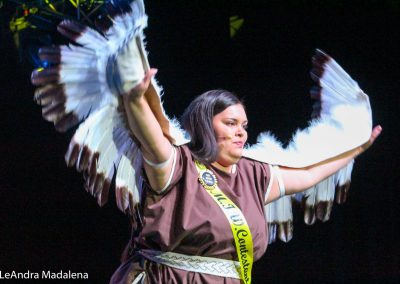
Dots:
(156, 148)
(298, 180)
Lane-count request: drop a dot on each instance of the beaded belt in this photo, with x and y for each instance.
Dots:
(194, 263)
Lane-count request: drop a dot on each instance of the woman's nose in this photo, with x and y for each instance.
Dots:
(240, 131)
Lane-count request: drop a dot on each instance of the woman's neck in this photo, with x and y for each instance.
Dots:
(228, 169)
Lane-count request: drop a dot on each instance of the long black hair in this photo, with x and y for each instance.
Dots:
(197, 120)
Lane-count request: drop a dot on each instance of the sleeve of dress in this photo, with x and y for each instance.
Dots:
(176, 172)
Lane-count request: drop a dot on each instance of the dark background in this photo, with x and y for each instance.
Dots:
(47, 220)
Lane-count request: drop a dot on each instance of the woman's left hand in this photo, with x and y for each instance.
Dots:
(375, 133)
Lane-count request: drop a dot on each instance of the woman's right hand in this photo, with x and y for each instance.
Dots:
(140, 89)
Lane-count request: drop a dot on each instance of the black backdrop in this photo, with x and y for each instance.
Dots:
(48, 222)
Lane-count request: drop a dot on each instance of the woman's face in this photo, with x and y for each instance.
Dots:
(230, 131)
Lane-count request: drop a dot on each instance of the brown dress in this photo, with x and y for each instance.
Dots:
(185, 219)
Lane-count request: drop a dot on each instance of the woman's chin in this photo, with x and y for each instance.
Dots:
(237, 155)
(230, 158)
(234, 159)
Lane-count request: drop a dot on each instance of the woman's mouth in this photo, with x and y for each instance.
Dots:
(239, 144)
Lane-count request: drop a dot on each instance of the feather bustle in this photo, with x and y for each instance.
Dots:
(272, 232)
(83, 158)
(53, 112)
(279, 216)
(105, 190)
(342, 192)
(72, 154)
(97, 186)
(70, 29)
(125, 200)
(309, 215)
(49, 93)
(50, 75)
(285, 231)
(66, 121)
(323, 210)
(92, 169)
(51, 54)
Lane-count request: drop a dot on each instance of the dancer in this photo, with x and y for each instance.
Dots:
(198, 200)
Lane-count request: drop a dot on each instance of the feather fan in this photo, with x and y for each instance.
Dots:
(341, 121)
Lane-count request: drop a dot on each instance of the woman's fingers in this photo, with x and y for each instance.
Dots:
(376, 131)
(143, 86)
(150, 74)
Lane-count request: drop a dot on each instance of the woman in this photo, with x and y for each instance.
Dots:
(195, 192)
(178, 214)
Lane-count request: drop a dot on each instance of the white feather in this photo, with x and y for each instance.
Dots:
(91, 39)
(279, 217)
(178, 133)
(343, 176)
